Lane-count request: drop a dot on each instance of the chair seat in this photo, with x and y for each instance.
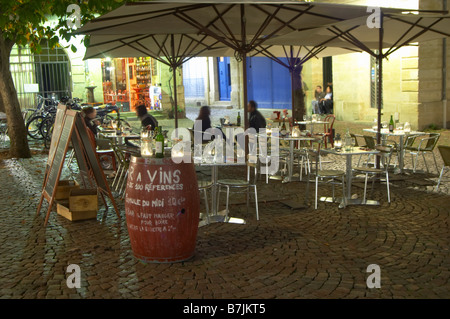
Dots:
(204, 184)
(330, 173)
(233, 182)
(368, 169)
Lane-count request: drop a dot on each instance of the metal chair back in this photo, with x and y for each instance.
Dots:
(370, 141)
(445, 154)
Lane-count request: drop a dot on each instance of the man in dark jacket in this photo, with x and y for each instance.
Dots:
(256, 120)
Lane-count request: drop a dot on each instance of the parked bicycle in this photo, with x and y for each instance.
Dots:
(104, 117)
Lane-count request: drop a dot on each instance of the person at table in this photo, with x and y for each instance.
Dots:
(256, 120)
(147, 120)
(204, 116)
(89, 114)
(326, 104)
(318, 95)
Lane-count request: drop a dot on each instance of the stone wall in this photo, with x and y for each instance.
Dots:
(431, 54)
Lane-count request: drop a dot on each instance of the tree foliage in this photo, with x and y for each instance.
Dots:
(25, 22)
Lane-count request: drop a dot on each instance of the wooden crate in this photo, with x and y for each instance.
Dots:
(81, 200)
(82, 204)
(64, 187)
(62, 208)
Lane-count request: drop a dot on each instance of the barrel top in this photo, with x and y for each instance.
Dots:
(153, 160)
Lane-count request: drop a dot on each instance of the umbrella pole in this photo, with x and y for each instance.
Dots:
(175, 98)
(174, 76)
(291, 71)
(380, 83)
(245, 89)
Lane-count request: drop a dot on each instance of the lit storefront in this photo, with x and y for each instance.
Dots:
(128, 80)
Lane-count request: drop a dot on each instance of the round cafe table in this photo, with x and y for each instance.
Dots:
(401, 135)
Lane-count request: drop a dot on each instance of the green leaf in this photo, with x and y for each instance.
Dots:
(73, 48)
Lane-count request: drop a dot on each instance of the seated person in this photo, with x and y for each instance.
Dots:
(256, 120)
(204, 117)
(89, 114)
(326, 104)
(318, 95)
(146, 119)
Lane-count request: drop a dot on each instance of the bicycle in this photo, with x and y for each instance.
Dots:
(105, 119)
(47, 124)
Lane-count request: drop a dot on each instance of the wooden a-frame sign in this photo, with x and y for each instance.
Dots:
(72, 128)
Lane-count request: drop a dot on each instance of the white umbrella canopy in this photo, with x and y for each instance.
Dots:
(158, 46)
(242, 26)
(398, 30)
(224, 19)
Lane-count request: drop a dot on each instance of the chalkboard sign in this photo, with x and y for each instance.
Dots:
(91, 154)
(74, 130)
(59, 120)
(60, 153)
(81, 160)
(92, 160)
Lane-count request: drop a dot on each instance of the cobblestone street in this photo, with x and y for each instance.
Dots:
(302, 253)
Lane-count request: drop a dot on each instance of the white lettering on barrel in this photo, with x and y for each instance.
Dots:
(152, 177)
(130, 173)
(133, 201)
(139, 178)
(176, 177)
(158, 203)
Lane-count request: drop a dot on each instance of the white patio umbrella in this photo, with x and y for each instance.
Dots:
(241, 26)
(395, 31)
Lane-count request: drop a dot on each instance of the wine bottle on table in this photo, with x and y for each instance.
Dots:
(283, 127)
(159, 144)
(391, 125)
(238, 120)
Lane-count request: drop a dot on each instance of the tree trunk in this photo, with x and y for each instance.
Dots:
(16, 128)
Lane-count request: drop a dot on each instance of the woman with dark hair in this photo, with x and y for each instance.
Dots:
(145, 118)
(89, 115)
(204, 117)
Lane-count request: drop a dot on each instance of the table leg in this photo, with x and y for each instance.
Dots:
(291, 162)
(348, 172)
(400, 157)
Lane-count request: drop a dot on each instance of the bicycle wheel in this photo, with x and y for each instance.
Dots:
(47, 130)
(28, 114)
(33, 127)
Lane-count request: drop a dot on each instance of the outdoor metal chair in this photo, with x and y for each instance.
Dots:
(385, 153)
(203, 187)
(325, 175)
(250, 182)
(327, 134)
(445, 154)
(426, 145)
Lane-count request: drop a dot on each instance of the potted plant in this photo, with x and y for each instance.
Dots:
(181, 113)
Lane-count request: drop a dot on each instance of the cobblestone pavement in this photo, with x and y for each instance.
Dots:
(302, 253)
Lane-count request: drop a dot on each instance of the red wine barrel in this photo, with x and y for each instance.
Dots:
(162, 209)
